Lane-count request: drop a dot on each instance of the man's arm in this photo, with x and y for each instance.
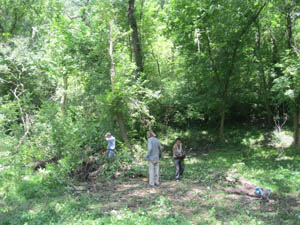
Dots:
(149, 150)
(149, 147)
(174, 150)
(159, 149)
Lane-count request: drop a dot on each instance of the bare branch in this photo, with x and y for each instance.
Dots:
(279, 125)
(7, 81)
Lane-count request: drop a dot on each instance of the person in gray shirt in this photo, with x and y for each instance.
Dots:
(154, 151)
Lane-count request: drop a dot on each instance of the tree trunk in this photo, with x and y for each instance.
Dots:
(222, 121)
(64, 97)
(156, 60)
(111, 53)
(130, 48)
(24, 116)
(295, 126)
(231, 65)
(123, 130)
(275, 59)
(264, 83)
(119, 115)
(289, 27)
(296, 114)
(135, 37)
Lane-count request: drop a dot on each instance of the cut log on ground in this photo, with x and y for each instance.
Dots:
(42, 163)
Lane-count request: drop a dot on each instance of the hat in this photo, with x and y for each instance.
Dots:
(151, 134)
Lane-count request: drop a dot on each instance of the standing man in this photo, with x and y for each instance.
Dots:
(178, 159)
(111, 145)
(154, 149)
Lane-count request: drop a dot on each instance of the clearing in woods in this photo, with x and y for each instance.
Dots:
(190, 201)
(199, 198)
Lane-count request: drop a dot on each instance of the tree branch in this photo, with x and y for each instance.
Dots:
(239, 37)
(212, 61)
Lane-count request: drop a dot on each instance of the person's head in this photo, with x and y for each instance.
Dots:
(108, 134)
(178, 141)
(150, 134)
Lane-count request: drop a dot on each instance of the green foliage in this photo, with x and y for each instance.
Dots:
(120, 166)
(202, 59)
(286, 86)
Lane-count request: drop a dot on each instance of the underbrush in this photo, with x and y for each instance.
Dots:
(47, 196)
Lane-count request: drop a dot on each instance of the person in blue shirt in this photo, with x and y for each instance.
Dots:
(111, 145)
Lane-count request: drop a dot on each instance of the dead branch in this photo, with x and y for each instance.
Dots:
(279, 124)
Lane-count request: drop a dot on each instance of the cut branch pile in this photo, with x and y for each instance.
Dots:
(89, 170)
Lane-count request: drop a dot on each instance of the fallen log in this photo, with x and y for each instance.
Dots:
(42, 163)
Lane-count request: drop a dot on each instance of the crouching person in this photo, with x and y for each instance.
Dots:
(154, 149)
(111, 145)
(179, 156)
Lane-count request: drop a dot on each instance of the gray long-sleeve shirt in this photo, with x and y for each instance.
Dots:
(154, 148)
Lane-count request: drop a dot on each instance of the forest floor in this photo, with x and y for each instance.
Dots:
(194, 202)
(190, 201)
(199, 198)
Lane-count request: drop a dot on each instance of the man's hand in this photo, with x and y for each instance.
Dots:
(178, 155)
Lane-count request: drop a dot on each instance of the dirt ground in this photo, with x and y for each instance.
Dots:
(191, 199)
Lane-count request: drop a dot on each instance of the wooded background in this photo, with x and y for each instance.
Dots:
(72, 70)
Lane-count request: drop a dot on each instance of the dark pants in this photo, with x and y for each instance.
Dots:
(179, 167)
(110, 153)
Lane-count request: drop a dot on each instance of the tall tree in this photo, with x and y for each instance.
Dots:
(224, 29)
(138, 56)
(289, 10)
(264, 78)
(118, 115)
(235, 44)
